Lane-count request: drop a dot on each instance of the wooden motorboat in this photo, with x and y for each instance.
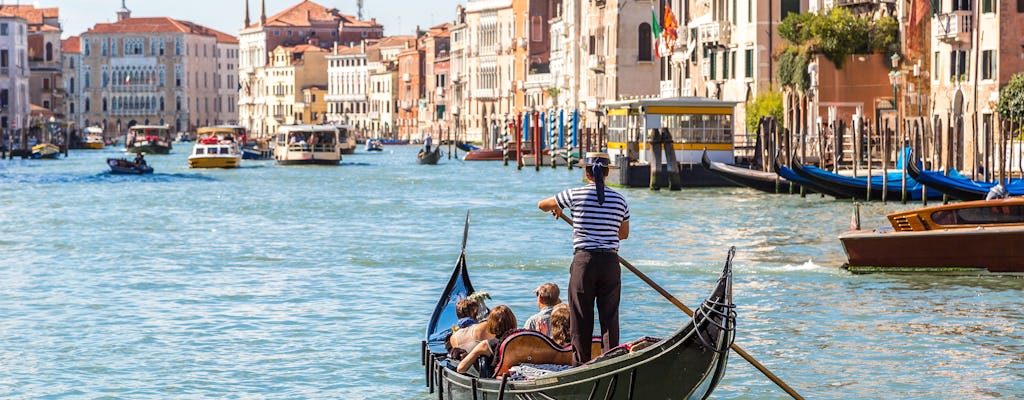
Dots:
(429, 157)
(974, 236)
(122, 166)
(46, 150)
(961, 187)
(216, 147)
(149, 139)
(688, 364)
(307, 144)
(489, 155)
(769, 182)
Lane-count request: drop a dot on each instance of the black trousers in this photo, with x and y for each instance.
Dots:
(593, 278)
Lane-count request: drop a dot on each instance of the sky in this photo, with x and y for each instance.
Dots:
(399, 17)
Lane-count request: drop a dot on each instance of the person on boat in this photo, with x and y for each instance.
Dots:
(547, 299)
(486, 336)
(140, 160)
(466, 311)
(427, 141)
(560, 333)
(497, 322)
(600, 218)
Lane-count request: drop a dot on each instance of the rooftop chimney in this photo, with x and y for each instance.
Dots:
(123, 13)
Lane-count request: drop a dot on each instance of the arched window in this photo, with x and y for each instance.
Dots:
(71, 108)
(49, 51)
(86, 105)
(644, 45)
(104, 104)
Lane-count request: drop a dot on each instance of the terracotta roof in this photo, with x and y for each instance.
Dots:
(304, 14)
(302, 48)
(31, 14)
(71, 45)
(159, 25)
(394, 41)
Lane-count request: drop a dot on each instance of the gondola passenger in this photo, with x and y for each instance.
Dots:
(485, 337)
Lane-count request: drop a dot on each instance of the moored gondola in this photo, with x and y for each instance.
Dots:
(788, 174)
(857, 187)
(960, 187)
(686, 365)
(769, 182)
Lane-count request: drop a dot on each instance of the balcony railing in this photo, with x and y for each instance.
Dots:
(714, 33)
(133, 88)
(848, 3)
(595, 62)
(954, 26)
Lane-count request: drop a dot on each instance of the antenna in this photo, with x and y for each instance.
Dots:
(359, 5)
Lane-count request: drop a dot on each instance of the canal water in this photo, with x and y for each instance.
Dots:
(316, 282)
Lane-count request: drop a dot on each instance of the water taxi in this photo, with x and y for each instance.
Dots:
(149, 139)
(968, 237)
(216, 147)
(307, 144)
(694, 123)
(93, 138)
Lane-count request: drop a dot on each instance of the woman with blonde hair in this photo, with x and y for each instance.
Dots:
(560, 325)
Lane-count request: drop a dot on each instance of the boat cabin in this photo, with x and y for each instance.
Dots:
(695, 123)
(970, 214)
(152, 139)
(307, 144)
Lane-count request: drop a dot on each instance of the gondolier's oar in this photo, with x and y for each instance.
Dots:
(672, 299)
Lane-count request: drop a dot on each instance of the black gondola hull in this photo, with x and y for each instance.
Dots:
(764, 181)
(429, 158)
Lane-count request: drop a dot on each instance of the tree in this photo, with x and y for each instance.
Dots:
(1011, 100)
(766, 104)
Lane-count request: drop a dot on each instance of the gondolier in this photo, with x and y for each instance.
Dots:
(600, 218)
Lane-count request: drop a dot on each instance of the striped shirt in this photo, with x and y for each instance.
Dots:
(595, 226)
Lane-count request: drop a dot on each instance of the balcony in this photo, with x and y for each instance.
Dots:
(851, 3)
(132, 88)
(716, 33)
(595, 63)
(406, 77)
(954, 27)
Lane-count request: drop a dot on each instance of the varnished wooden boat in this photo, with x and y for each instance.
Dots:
(769, 182)
(429, 157)
(689, 364)
(968, 237)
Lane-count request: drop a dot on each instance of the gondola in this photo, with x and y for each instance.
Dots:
(856, 188)
(466, 147)
(769, 182)
(429, 157)
(688, 364)
(788, 174)
(121, 166)
(960, 187)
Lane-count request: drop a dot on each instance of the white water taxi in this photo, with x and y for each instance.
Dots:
(307, 144)
(93, 138)
(216, 147)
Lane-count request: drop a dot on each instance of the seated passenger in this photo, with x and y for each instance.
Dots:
(466, 310)
(560, 325)
(486, 336)
(547, 298)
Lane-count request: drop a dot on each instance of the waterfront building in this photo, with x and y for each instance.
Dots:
(71, 72)
(292, 69)
(383, 99)
(975, 49)
(303, 23)
(435, 43)
(313, 109)
(488, 62)
(410, 90)
(44, 57)
(455, 96)
(532, 52)
(565, 55)
(156, 70)
(14, 78)
(348, 75)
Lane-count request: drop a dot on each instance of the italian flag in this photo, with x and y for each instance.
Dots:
(656, 32)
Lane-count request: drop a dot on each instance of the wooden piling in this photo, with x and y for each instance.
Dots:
(672, 165)
(654, 143)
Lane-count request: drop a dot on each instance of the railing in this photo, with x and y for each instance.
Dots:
(954, 26)
(847, 3)
(133, 88)
(714, 33)
(595, 62)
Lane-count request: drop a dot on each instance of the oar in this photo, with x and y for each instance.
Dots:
(746, 356)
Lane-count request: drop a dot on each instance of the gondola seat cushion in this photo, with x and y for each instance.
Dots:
(528, 346)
